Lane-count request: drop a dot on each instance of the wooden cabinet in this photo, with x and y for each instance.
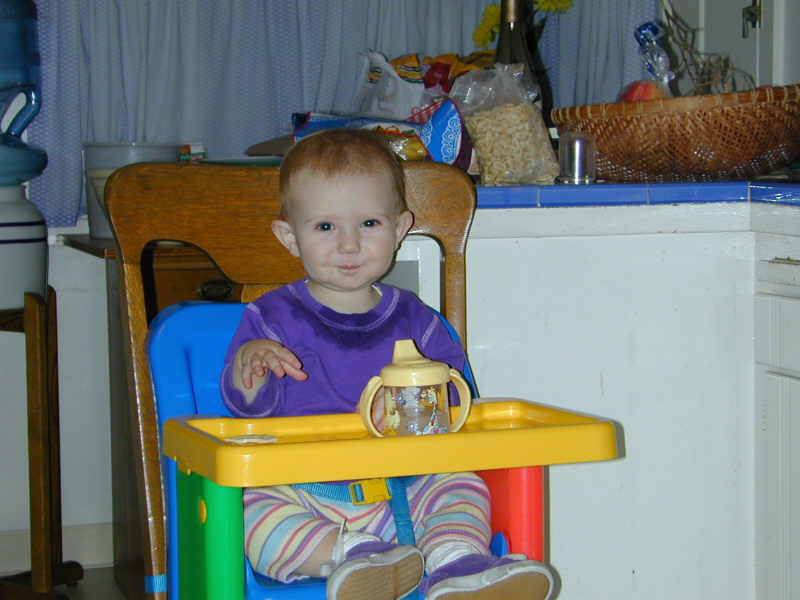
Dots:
(176, 272)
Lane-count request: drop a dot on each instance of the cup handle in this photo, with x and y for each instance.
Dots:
(365, 404)
(464, 398)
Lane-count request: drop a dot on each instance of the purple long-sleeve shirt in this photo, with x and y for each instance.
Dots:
(339, 352)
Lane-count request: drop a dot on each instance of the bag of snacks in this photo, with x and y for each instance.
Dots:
(510, 138)
(440, 138)
(445, 137)
(402, 87)
(402, 136)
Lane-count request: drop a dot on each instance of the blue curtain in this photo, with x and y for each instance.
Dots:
(229, 73)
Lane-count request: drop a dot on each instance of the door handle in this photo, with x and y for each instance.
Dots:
(751, 17)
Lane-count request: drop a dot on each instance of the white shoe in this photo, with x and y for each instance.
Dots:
(517, 580)
(376, 571)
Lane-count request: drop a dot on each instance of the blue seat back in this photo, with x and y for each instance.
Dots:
(186, 347)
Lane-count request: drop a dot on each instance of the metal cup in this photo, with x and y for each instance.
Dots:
(576, 158)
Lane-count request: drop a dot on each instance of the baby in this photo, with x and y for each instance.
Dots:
(310, 347)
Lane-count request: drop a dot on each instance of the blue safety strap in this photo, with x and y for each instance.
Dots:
(399, 505)
(331, 491)
(398, 502)
(155, 584)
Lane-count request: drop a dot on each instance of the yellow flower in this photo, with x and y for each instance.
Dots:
(488, 28)
(553, 5)
(492, 14)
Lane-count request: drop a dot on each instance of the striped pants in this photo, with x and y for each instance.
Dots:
(283, 524)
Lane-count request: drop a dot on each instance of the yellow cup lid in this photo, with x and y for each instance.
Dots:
(409, 367)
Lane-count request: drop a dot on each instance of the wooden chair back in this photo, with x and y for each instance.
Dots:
(226, 211)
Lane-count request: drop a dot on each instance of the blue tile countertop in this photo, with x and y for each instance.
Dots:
(609, 194)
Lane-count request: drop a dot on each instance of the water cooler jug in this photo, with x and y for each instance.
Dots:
(23, 233)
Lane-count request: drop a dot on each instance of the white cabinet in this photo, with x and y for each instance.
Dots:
(682, 324)
(777, 483)
(777, 321)
(638, 317)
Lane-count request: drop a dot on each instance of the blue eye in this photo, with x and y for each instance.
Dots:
(371, 223)
(324, 227)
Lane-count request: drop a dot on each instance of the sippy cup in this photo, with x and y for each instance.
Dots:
(414, 395)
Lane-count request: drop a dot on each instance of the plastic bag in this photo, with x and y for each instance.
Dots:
(388, 95)
(656, 61)
(510, 138)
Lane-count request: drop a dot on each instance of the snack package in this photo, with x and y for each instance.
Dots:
(477, 61)
(445, 137)
(440, 138)
(510, 138)
(403, 136)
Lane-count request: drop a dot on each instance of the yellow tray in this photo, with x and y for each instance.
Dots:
(499, 433)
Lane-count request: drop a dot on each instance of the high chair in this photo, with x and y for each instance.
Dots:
(226, 211)
(186, 347)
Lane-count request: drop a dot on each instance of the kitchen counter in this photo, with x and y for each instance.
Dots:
(609, 194)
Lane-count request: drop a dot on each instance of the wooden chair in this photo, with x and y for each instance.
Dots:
(225, 211)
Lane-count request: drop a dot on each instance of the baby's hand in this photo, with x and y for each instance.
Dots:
(256, 357)
(378, 408)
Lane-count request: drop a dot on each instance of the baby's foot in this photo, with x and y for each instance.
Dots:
(376, 570)
(475, 577)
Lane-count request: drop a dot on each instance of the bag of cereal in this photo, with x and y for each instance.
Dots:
(510, 138)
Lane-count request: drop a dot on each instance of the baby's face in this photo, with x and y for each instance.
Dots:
(345, 229)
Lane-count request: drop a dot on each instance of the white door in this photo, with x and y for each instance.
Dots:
(769, 51)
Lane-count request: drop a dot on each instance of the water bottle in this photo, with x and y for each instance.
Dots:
(23, 232)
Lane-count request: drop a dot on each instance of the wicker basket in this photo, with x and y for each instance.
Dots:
(739, 135)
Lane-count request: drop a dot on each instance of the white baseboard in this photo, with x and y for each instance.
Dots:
(90, 545)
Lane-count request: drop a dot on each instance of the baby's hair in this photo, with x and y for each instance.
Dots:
(335, 152)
